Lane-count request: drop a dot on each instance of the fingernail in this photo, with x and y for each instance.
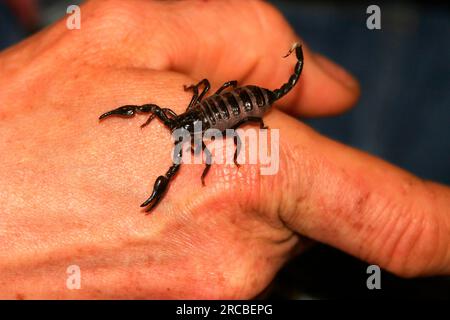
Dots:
(336, 71)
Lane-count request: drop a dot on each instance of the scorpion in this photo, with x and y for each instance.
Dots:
(225, 109)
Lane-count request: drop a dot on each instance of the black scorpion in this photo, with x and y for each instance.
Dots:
(222, 110)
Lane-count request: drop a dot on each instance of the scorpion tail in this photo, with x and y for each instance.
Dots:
(285, 88)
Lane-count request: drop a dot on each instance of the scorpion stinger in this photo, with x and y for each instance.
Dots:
(228, 108)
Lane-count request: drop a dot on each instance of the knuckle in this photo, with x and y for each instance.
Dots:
(111, 19)
(109, 28)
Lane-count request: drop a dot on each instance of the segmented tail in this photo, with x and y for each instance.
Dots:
(285, 88)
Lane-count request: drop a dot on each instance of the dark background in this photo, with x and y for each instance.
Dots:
(403, 115)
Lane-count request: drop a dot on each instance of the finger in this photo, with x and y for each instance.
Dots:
(231, 40)
(242, 53)
(358, 203)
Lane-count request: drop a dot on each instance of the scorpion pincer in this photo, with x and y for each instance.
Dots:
(225, 109)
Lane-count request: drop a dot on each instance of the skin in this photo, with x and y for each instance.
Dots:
(71, 186)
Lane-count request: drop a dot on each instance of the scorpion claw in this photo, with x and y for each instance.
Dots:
(146, 123)
(158, 190)
(121, 111)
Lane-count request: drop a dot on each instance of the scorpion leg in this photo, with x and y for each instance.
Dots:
(237, 139)
(237, 143)
(205, 82)
(253, 119)
(232, 83)
(161, 184)
(208, 162)
(170, 112)
(195, 149)
(165, 111)
(131, 110)
(196, 97)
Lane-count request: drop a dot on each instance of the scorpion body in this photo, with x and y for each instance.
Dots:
(222, 110)
(227, 110)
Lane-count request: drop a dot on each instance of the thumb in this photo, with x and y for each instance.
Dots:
(358, 203)
(249, 50)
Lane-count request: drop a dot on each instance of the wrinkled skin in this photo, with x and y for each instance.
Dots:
(71, 186)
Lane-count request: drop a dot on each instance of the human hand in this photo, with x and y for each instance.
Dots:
(71, 186)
